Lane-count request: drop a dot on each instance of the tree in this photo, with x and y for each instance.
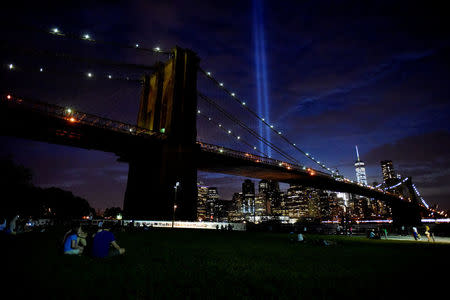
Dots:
(20, 196)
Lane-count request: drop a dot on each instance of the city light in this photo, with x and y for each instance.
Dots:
(11, 66)
(89, 75)
(55, 30)
(157, 49)
(9, 97)
(86, 36)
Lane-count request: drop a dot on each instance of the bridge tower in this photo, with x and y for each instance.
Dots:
(168, 105)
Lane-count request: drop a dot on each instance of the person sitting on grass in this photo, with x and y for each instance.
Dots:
(104, 243)
(74, 240)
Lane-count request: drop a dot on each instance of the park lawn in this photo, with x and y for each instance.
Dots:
(214, 264)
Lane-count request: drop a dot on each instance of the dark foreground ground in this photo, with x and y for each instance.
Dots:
(210, 264)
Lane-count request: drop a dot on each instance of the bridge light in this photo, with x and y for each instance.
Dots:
(221, 84)
(254, 148)
(68, 110)
(11, 66)
(9, 97)
(157, 49)
(279, 132)
(262, 119)
(198, 111)
(209, 119)
(238, 137)
(55, 30)
(109, 76)
(221, 150)
(294, 144)
(229, 131)
(208, 73)
(86, 36)
(271, 126)
(243, 103)
(41, 70)
(89, 75)
(220, 125)
(137, 45)
(307, 154)
(233, 94)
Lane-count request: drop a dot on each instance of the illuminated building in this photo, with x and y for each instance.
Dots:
(387, 168)
(236, 213)
(211, 200)
(202, 197)
(301, 202)
(270, 191)
(248, 192)
(360, 170)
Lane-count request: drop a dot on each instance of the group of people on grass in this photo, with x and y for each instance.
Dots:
(104, 243)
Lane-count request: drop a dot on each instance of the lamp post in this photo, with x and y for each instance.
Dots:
(177, 184)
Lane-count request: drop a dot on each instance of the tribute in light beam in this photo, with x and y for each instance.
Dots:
(261, 72)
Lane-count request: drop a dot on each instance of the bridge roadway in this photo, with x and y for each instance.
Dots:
(59, 125)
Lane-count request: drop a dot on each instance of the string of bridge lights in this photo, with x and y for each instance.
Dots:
(87, 74)
(230, 132)
(89, 38)
(243, 104)
(246, 128)
(421, 198)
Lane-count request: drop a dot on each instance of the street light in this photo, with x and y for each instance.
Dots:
(177, 184)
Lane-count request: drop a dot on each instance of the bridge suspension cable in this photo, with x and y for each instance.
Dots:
(88, 37)
(243, 104)
(102, 62)
(87, 74)
(229, 132)
(248, 129)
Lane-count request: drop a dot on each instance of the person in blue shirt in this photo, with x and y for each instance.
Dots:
(104, 243)
(74, 241)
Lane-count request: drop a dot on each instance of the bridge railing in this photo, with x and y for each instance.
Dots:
(258, 159)
(76, 117)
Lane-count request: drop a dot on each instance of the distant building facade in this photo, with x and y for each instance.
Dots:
(387, 169)
(360, 170)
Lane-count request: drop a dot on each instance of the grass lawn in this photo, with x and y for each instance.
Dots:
(211, 264)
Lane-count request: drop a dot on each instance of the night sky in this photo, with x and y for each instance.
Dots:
(338, 74)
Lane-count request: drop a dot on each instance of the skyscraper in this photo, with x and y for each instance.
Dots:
(360, 170)
(387, 168)
(201, 200)
(248, 191)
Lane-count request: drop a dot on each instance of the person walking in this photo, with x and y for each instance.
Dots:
(415, 234)
(428, 233)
